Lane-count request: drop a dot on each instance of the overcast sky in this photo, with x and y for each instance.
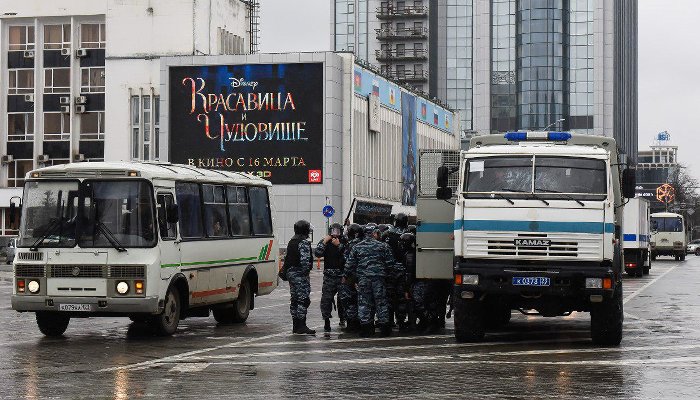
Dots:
(669, 61)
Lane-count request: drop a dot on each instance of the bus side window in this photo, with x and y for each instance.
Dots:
(168, 231)
(214, 211)
(260, 210)
(190, 207)
(239, 214)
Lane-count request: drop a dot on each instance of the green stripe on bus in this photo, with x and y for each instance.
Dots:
(263, 251)
(208, 262)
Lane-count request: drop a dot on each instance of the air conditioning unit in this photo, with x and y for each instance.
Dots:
(80, 109)
(42, 158)
(81, 100)
(29, 98)
(64, 100)
(65, 52)
(7, 158)
(80, 53)
(29, 54)
(65, 109)
(78, 157)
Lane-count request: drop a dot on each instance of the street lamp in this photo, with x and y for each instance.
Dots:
(554, 123)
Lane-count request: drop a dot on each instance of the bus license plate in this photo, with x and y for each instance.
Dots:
(530, 281)
(75, 307)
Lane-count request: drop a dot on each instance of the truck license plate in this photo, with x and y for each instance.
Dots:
(75, 307)
(530, 281)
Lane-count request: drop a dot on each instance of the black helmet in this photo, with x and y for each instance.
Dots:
(401, 221)
(355, 231)
(302, 227)
(335, 230)
(411, 229)
(408, 239)
(384, 236)
(369, 228)
(383, 227)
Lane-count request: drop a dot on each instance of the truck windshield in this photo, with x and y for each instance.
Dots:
(667, 224)
(554, 177)
(115, 214)
(50, 211)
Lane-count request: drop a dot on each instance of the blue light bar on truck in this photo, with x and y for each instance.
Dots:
(550, 136)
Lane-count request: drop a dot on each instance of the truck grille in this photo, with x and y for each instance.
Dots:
(127, 271)
(29, 271)
(33, 256)
(77, 271)
(502, 245)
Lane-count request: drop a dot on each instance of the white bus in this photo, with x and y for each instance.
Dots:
(668, 235)
(154, 242)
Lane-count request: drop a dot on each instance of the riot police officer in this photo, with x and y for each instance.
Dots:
(348, 294)
(331, 249)
(298, 262)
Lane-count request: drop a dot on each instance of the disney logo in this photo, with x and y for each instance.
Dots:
(241, 82)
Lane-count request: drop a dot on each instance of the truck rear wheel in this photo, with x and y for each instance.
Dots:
(606, 320)
(469, 320)
(647, 264)
(52, 324)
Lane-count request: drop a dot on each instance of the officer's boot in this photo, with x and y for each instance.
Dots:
(327, 325)
(295, 324)
(353, 325)
(366, 330)
(385, 330)
(303, 329)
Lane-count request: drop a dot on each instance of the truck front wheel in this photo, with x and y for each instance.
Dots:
(469, 320)
(606, 320)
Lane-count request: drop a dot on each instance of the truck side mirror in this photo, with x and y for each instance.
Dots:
(629, 183)
(173, 212)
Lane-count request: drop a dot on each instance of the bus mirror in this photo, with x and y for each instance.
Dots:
(443, 193)
(443, 174)
(629, 182)
(173, 214)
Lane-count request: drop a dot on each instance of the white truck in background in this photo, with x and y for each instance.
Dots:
(636, 237)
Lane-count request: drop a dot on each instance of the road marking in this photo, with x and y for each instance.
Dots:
(643, 288)
(190, 367)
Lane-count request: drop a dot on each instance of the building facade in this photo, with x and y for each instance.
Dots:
(656, 167)
(79, 79)
(516, 64)
(353, 143)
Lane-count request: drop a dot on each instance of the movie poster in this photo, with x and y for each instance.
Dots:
(409, 151)
(264, 119)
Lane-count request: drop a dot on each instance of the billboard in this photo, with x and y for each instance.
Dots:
(409, 150)
(264, 119)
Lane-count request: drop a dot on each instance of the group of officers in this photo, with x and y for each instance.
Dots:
(372, 271)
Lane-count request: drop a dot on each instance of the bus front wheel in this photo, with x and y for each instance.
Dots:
(165, 323)
(52, 324)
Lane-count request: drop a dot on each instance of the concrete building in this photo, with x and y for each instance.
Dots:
(80, 79)
(322, 128)
(516, 64)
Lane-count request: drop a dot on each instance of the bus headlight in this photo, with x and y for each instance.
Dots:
(33, 287)
(122, 287)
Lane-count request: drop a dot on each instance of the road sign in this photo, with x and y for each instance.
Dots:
(328, 211)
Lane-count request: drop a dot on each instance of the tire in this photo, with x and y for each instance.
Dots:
(653, 257)
(648, 266)
(52, 324)
(682, 257)
(165, 324)
(496, 316)
(697, 251)
(223, 315)
(606, 321)
(241, 307)
(469, 321)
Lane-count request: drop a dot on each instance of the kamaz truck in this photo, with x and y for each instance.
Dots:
(533, 222)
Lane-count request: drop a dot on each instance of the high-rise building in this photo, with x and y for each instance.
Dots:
(512, 64)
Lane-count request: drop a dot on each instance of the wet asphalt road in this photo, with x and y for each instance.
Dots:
(532, 357)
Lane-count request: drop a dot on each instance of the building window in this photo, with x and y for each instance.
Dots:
(92, 126)
(57, 80)
(56, 37)
(92, 80)
(21, 38)
(21, 81)
(93, 36)
(145, 127)
(9, 229)
(20, 127)
(56, 126)
(16, 170)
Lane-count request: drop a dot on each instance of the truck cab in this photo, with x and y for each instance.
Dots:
(537, 228)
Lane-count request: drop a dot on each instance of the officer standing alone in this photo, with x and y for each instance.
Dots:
(330, 248)
(298, 262)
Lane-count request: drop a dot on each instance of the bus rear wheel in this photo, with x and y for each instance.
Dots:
(165, 323)
(52, 324)
(241, 307)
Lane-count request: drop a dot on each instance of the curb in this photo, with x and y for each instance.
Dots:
(6, 276)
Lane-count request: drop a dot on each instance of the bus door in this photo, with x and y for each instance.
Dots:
(167, 226)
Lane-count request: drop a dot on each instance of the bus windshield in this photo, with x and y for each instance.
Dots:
(116, 214)
(667, 224)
